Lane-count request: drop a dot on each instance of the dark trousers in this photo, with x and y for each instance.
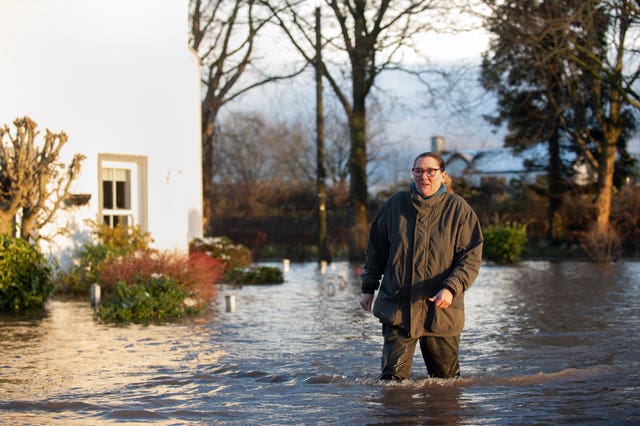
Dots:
(440, 354)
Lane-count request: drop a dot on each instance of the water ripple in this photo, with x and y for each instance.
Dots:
(304, 353)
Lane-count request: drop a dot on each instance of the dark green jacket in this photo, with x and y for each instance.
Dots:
(420, 246)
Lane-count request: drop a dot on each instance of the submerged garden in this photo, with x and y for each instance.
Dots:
(137, 283)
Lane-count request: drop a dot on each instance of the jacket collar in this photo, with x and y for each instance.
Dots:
(441, 190)
(422, 202)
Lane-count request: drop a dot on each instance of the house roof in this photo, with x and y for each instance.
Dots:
(506, 160)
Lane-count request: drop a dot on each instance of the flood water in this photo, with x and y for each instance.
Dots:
(544, 343)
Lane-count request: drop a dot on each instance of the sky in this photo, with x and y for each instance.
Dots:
(408, 126)
(402, 99)
(408, 123)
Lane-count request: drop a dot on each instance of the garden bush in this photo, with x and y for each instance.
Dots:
(108, 243)
(503, 244)
(25, 276)
(141, 284)
(222, 248)
(147, 299)
(195, 274)
(255, 275)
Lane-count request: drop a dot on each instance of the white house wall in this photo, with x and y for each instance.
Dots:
(118, 77)
(456, 167)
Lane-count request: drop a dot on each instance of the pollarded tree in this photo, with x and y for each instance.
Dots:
(33, 183)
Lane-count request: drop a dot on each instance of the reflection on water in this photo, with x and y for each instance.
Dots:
(545, 342)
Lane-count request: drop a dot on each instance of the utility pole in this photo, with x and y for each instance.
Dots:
(323, 249)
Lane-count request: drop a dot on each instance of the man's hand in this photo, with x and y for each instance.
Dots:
(365, 301)
(442, 299)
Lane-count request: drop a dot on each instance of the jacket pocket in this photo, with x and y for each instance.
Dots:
(445, 321)
(387, 308)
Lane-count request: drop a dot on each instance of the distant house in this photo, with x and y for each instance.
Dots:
(504, 164)
(119, 78)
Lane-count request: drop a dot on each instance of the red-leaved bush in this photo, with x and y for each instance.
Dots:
(196, 273)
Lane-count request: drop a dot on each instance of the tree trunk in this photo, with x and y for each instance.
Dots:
(555, 188)
(605, 187)
(362, 56)
(323, 247)
(358, 187)
(6, 223)
(612, 131)
(208, 134)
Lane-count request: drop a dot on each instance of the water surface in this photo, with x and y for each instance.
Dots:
(546, 343)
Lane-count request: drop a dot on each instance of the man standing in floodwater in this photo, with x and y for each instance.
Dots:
(426, 244)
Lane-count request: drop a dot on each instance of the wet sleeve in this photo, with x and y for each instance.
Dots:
(376, 255)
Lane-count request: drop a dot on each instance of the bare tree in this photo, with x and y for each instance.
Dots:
(256, 150)
(373, 36)
(337, 150)
(261, 159)
(33, 183)
(224, 34)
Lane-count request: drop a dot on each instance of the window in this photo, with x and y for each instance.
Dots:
(116, 196)
(122, 182)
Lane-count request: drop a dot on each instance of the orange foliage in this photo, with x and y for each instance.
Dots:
(196, 273)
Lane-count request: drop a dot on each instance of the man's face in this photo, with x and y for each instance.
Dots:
(427, 175)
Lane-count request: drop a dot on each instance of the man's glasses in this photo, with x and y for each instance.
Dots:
(429, 171)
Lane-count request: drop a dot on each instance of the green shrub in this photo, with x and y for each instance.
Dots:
(145, 300)
(25, 276)
(140, 284)
(222, 248)
(196, 273)
(503, 244)
(255, 275)
(108, 243)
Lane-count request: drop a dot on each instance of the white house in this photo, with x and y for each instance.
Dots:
(118, 77)
(504, 164)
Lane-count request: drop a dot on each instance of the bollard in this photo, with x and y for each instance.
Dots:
(331, 289)
(323, 267)
(95, 295)
(230, 302)
(343, 280)
(285, 265)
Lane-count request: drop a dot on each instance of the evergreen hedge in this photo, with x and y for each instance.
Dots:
(25, 276)
(503, 244)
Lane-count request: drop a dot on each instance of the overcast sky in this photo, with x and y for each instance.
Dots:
(409, 121)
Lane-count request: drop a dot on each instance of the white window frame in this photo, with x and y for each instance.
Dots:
(136, 166)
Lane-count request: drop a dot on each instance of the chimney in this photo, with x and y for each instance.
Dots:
(437, 144)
